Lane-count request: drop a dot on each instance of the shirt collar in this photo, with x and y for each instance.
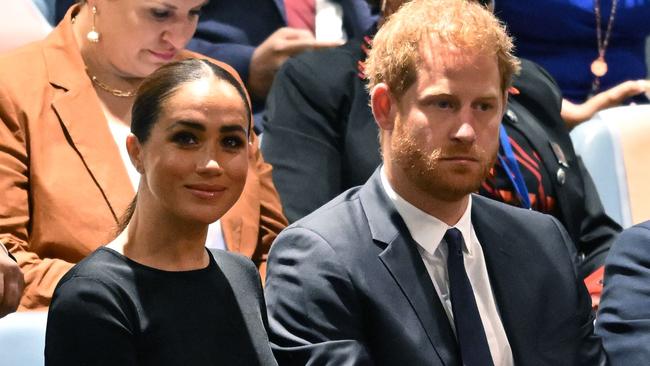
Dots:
(425, 229)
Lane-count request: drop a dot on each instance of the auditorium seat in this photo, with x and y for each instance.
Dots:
(615, 147)
(22, 339)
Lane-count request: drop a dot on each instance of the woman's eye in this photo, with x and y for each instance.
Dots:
(160, 14)
(185, 139)
(196, 13)
(232, 142)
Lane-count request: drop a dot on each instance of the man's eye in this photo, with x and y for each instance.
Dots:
(160, 14)
(443, 104)
(485, 106)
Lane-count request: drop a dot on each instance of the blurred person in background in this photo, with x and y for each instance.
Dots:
(595, 49)
(257, 36)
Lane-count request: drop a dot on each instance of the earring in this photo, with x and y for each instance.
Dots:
(93, 35)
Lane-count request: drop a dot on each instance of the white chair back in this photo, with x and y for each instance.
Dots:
(615, 147)
(22, 339)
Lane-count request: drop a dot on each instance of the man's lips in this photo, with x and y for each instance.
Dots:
(459, 158)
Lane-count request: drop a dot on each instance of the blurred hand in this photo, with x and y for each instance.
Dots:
(574, 114)
(274, 51)
(11, 284)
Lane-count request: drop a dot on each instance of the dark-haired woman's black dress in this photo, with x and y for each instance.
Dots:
(110, 310)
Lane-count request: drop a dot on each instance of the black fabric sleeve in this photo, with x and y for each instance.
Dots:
(597, 229)
(593, 230)
(87, 325)
(302, 135)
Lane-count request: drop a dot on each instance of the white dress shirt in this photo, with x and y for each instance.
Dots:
(428, 232)
(329, 21)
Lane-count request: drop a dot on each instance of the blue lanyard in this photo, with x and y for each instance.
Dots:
(510, 165)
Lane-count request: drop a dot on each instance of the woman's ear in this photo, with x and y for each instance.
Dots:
(134, 149)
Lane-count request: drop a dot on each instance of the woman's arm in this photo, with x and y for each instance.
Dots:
(41, 275)
(87, 325)
(574, 114)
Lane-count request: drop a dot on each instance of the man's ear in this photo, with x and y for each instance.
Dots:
(134, 149)
(504, 107)
(384, 106)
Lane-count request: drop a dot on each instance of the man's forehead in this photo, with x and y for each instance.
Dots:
(438, 55)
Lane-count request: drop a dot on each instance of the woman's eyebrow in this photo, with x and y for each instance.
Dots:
(188, 123)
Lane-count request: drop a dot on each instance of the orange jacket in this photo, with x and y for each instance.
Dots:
(63, 184)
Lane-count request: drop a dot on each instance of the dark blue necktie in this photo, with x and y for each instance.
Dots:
(474, 349)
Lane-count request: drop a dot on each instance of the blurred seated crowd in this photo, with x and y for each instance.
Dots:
(327, 182)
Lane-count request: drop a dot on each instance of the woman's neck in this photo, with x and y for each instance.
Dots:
(109, 82)
(164, 243)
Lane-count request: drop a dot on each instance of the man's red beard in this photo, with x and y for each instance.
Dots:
(442, 180)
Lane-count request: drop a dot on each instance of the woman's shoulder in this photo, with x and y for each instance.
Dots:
(234, 263)
(101, 279)
(239, 271)
(103, 266)
(20, 68)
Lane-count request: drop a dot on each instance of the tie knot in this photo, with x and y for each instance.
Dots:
(455, 241)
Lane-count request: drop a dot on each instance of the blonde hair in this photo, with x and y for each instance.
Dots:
(459, 24)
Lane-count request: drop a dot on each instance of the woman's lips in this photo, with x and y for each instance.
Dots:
(205, 191)
(165, 56)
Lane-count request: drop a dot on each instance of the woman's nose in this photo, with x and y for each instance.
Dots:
(209, 166)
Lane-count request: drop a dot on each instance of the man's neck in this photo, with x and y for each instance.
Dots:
(447, 211)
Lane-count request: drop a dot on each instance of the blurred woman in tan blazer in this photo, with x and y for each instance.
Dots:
(65, 103)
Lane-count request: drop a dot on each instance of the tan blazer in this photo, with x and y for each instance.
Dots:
(63, 184)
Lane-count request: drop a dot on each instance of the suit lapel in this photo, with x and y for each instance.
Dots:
(405, 265)
(498, 242)
(82, 120)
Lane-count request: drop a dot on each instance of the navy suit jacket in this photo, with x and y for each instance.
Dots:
(346, 286)
(624, 313)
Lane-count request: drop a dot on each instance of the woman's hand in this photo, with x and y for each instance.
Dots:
(574, 114)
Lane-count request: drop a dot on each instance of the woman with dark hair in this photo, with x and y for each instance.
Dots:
(65, 106)
(155, 295)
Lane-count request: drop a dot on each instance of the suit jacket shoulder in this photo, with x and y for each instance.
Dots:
(623, 317)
